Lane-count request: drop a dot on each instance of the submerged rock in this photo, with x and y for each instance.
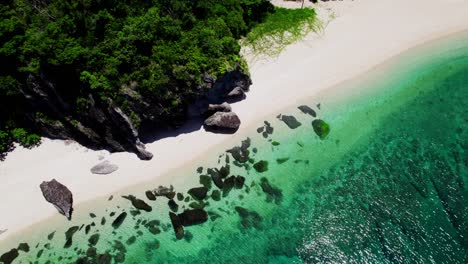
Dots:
(104, 167)
(119, 220)
(58, 195)
(177, 225)
(290, 121)
(273, 193)
(94, 239)
(241, 154)
(193, 217)
(150, 195)
(138, 204)
(261, 166)
(223, 121)
(198, 193)
(307, 110)
(23, 247)
(321, 128)
(249, 218)
(69, 236)
(9, 256)
(239, 182)
(165, 191)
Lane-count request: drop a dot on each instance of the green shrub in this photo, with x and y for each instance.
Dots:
(24, 138)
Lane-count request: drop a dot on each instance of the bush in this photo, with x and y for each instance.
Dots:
(24, 138)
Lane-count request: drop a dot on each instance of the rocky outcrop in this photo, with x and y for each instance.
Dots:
(168, 192)
(104, 167)
(58, 195)
(9, 256)
(102, 123)
(222, 121)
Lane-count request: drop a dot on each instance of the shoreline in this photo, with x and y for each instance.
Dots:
(75, 161)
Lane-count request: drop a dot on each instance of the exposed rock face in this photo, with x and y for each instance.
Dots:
(58, 195)
(100, 123)
(104, 167)
(223, 121)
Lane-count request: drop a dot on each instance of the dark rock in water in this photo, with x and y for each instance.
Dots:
(173, 205)
(188, 236)
(307, 110)
(260, 129)
(205, 180)
(9, 257)
(138, 204)
(216, 195)
(94, 239)
(213, 108)
(165, 191)
(261, 166)
(51, 236)
(200, 169)
(290, 121)
(153, 227)
(180, 197)
(58, 195)
(197, 205)
(281, 160)
(119, 220)
(23, 247)
(69, 236)
(104, 258)
(177, 225)
(222, 122)
(193, 217)
(104, 167)
(92, 215)
(150, 195)
(198, 193)
(241, 154)
(103, 220)
(131, 240)
(321, 128)
(249, 218)
(87, 229)
(273, 193)
(228, 185)
(239, 182)
(275, 143)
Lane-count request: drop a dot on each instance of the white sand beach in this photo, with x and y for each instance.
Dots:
(361, 35)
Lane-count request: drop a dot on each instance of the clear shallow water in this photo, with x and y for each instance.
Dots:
(388, 185)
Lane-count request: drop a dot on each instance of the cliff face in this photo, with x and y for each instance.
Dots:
(102, 124)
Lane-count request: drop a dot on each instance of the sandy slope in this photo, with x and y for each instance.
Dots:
(363, 34)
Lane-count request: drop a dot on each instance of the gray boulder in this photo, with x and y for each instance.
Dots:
(223, 120)
(58, 195)
(213, 108)
(104, 167)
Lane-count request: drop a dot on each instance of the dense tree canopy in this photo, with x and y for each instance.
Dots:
(158, 48)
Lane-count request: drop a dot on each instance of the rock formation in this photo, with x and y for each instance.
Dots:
(58, 195)
(104, 167)
(223, 121)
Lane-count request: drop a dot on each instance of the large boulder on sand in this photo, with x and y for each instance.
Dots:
(223, 121)
(104, 167)
(58, 195)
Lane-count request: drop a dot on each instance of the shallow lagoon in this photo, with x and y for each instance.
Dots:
(387, 185)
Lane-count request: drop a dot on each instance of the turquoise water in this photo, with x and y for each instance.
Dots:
(388, 184)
